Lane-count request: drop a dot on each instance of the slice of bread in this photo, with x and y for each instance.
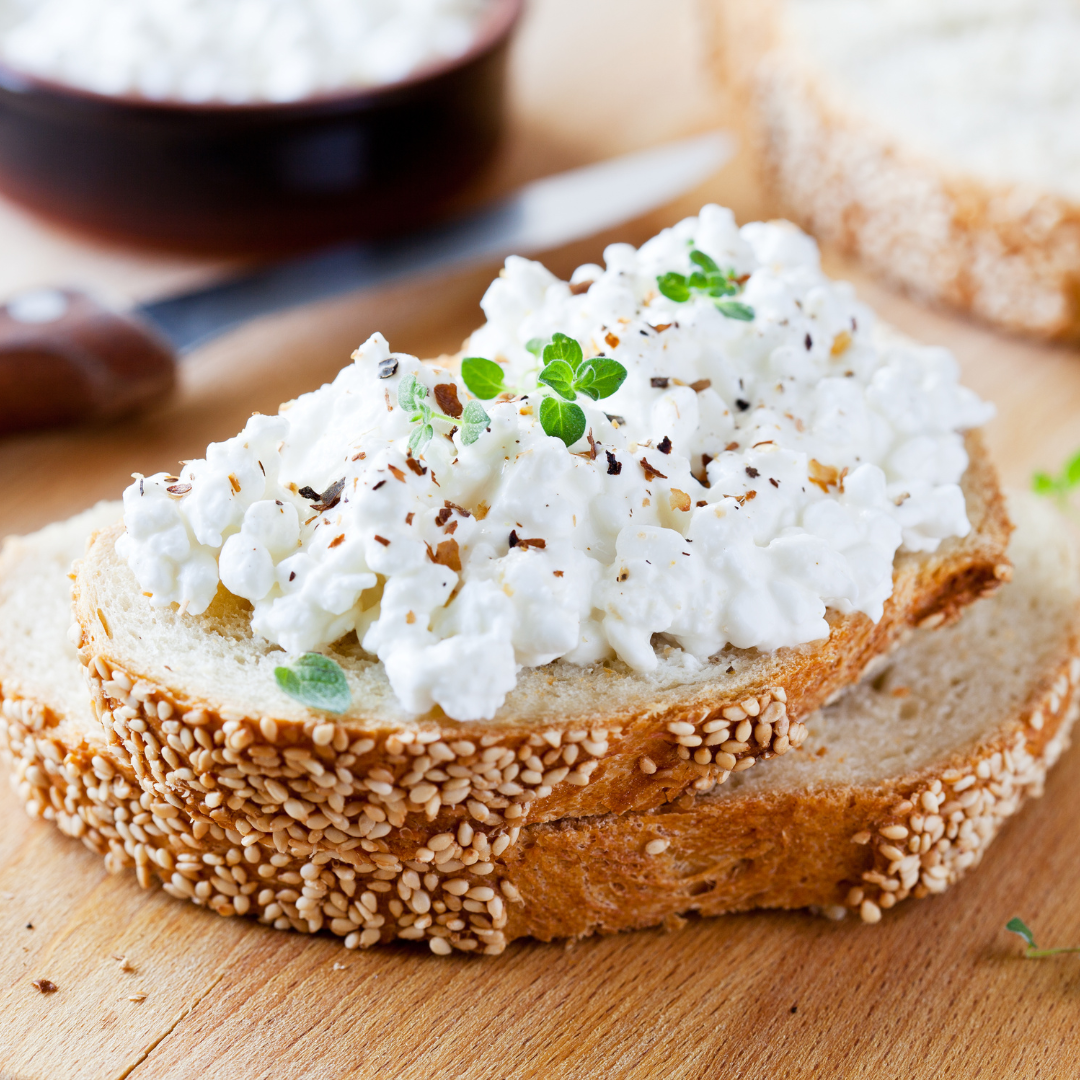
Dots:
(191, 702)
(935, 751)
(830, 93)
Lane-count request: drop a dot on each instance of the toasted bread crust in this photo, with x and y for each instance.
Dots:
(834, 847)
(220, 765)
(1005, 254)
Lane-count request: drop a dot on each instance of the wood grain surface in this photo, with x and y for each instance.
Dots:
(938, 989)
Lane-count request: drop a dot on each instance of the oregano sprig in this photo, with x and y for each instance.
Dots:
(708, 280)
(565, 371)
(317, 682)
(1032, 951)
(412, 397)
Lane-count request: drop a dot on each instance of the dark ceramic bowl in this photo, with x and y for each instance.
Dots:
(250, 178)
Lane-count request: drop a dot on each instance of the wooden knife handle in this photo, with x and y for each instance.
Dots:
(67, 359)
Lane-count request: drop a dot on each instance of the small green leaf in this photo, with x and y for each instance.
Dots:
(421, 436)
(674, 287)
(562, 419)
(1044, 484)
(317, 682)
(721, 286)
(474, 422)
(698, 281)
(1018, 926)
(733, 309)
(484, 378)
(699, 258)
(563, 347)
(559, 375)
(411, 393)
(599, 377)
(535, 346)
(1072, 472)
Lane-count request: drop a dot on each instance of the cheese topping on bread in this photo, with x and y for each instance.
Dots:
(765, 458)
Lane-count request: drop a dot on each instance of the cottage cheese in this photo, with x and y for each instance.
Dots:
(745, 477)
(990, 86)
(233, 51)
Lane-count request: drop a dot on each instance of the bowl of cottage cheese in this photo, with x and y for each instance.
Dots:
(248, 125)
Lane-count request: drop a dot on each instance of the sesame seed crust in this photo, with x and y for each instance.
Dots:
(474, 888)
(1005, 253)
(317, 785)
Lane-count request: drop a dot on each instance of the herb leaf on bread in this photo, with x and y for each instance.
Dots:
(317, 682)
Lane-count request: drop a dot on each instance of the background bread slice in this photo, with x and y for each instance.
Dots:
(192, 704)
(1008, 253)
(986, 711)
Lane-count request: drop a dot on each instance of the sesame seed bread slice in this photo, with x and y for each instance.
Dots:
(899, 788)
(1007, 252)
(193, 702)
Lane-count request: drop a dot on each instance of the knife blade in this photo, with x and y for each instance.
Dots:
(542, 215)
(66, 358)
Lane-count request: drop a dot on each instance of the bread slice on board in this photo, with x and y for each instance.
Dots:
(934, 751)
(855, 177)
(192, 704)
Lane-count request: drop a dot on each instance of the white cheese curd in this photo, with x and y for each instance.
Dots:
(746, 476)
(990, 86)
(233, 51)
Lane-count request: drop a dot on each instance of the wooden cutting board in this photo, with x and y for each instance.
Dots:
(938, 989)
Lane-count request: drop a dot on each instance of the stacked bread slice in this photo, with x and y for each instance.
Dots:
(600, 802)
(933, 140)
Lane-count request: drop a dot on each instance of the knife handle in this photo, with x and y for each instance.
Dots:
(67, 359)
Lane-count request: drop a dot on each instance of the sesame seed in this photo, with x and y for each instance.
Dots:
(894, 832)
(323, 734)
(655, 847)
(869, 912)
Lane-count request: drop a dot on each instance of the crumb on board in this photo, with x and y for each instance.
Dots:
(45, 986)
(137, 997)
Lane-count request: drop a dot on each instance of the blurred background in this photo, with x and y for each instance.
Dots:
(512, 94)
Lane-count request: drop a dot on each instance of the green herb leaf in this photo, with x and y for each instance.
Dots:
(1072, 472)
(674, 287)
(599, 377)
(1044, 484)
(721, 286)
(1018, 926)
(411, 393)
(317, 682)
(535, 346)
(421, 436)
(474, 422)
(559, 375)
(565, 348)
(1060, 485)
(699, 258)
(733, 309)
(484, 378)
(562, 419)
(1033, 952)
